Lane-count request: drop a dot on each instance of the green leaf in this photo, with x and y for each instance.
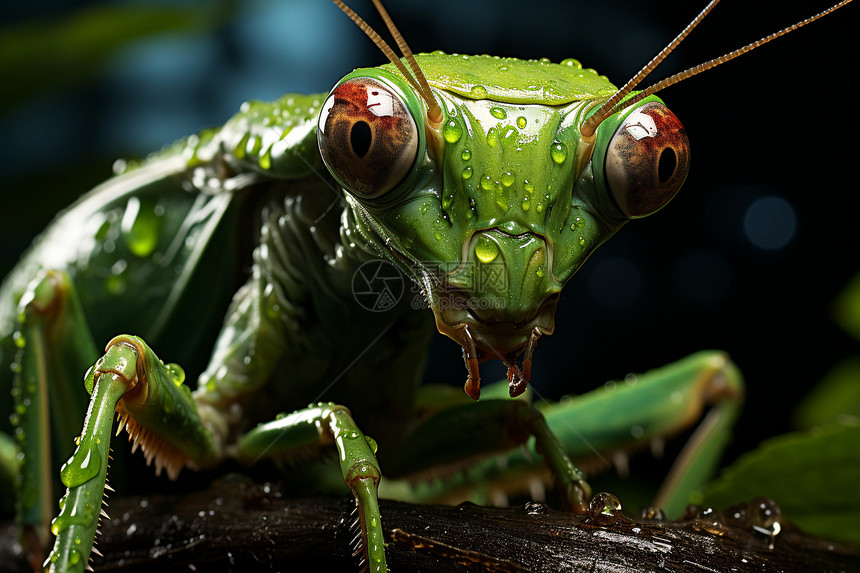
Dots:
(835, 397)
(813, 476)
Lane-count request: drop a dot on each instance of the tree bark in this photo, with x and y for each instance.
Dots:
(236, 524)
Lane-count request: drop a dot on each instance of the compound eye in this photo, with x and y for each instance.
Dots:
(647, 160)
(367, 137)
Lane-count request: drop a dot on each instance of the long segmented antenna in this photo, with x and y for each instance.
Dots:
(604, 111)
(613, 105)
(418, 81)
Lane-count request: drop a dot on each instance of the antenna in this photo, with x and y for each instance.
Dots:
(613, 104)
(418, 81)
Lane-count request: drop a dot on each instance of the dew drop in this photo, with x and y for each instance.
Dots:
(141, 225)
(492, 137)
(486, 250)
(467, 173)
(478, 92)
(466, 155)
(498, 113)
(559, 152)
(452, 131)
(605, 504)
(521, 122)
(83, 466)
(487, 183)
(764, 516)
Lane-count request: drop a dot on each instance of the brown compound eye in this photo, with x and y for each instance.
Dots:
(647, 160)
(367, 137)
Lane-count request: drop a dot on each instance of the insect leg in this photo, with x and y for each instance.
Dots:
(464, 432)
(645, 409)
(54, 347)
(160, 416)
(327, 424)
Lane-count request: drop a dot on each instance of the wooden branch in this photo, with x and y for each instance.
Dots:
(236, 525)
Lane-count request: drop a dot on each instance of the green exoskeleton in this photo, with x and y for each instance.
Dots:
(485, 181)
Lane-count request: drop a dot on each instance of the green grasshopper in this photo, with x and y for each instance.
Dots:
(486, 184)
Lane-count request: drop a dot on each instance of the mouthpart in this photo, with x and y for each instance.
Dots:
(484, 337)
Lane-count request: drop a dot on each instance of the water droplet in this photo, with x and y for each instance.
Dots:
(478, 92)
(141, 225)
(20, 341)
(605, 504)
(498, 113)
(508, 178)
(525, 204)
(764, 516)
(486, 250)
(528, 186)
(709, 520)
(176, 372)
(521, 122)
(467, 173)
(466, 155)
(487, 183)
(447, 200)
(83, 466)
(492, 137)
(559, 152)
(452, 131)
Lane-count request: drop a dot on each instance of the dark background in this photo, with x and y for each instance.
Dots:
(777, 124)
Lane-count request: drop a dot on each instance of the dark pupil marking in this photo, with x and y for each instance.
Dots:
(360, 138)
(666, 165)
